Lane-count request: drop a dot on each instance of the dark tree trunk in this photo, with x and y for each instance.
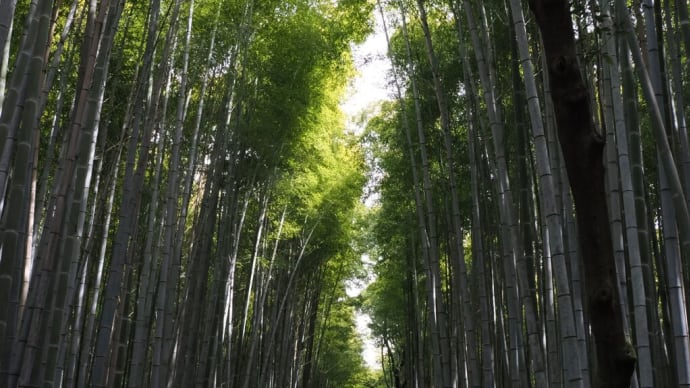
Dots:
(583, 150)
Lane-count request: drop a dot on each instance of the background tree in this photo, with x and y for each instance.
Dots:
(180, 203)
(231, 187)
(549, 274)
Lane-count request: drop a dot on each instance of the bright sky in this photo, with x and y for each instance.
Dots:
(364, 94)
(370, 352)
(369, 87)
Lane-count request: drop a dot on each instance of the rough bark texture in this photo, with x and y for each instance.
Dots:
(583, 152)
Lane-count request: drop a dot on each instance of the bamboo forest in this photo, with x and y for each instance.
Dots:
(188, 198)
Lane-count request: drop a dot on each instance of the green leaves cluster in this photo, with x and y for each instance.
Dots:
(271, 141)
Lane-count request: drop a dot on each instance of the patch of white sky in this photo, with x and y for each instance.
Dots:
(369, 87)
(370, 351)
(365, 93)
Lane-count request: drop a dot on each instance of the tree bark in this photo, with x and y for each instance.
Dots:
(583, 149)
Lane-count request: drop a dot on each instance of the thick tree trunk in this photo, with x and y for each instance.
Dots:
(583, 152)
(553, 239)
